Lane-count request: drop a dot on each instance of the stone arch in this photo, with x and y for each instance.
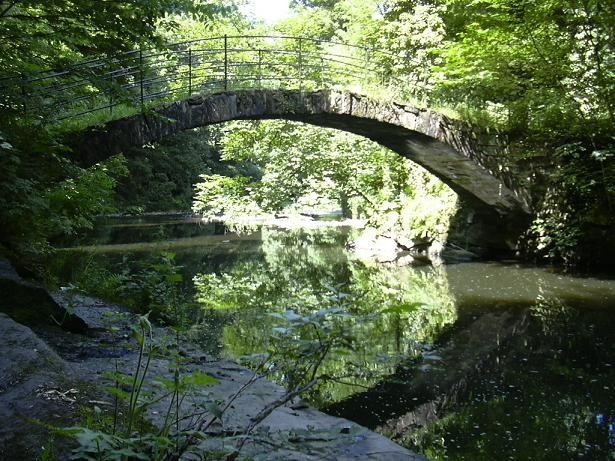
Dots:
(459, 155)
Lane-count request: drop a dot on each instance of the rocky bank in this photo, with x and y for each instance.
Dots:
(51, 375)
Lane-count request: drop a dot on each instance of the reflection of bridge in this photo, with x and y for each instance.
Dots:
(219, 79)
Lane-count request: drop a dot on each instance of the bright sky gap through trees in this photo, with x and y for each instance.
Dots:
(269, 11)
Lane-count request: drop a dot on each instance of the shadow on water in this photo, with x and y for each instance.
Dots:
(527, 372)
(472, 361)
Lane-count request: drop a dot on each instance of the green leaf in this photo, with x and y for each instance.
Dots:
(168, 383)
(174, 278)
(402, 308)
(198, 378)
(119, 393)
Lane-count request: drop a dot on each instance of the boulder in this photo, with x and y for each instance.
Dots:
(30, 304)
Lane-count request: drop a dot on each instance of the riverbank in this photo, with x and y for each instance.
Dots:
(52, 378)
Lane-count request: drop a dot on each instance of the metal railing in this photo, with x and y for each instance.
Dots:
(139, 79)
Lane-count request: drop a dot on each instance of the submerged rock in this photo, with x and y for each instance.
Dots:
(371, 246)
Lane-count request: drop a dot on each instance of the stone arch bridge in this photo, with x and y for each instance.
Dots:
(464, 158)
(217, 79)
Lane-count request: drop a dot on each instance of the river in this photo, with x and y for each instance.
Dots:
(465, 361)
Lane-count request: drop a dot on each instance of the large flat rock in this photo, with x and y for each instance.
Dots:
(290, 432)
(35, 384)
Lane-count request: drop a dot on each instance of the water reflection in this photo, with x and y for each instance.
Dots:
(473, 361)
(537, 398)
(395, 311)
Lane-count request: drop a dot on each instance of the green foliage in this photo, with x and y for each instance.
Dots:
(21, 203)
(84, 273)
(348, 21)
(74, 202)
(577, 207)
(162, 176)
(310, 23)
(301, 343)
(541, 71)
(222, 195)
(543, 65)
(130, 436)
(155, 288)
(412, 37)
(224, 19)
(36, 35)
(44, 196)
(293, 164)
(544, 72)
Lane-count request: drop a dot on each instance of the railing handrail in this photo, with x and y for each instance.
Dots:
(138, 76)
(167, 46)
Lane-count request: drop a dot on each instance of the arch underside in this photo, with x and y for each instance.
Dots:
(471, 182)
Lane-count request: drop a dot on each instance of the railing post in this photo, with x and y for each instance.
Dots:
(300, 66)
(260, 69)
(322, 71)
(110, 89)
(190, 72)
(141, 80)
(225, 63)
(369, 71)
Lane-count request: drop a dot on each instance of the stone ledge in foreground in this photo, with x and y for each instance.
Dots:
(286, 434)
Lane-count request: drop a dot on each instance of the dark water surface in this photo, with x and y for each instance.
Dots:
(469, 361)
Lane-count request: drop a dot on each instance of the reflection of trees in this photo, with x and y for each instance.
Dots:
(540, 398)
(418, 297)
(393, 309)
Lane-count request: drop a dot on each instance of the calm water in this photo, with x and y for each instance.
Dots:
(470, 361)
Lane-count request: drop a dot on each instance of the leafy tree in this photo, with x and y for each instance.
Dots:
(43, 195)
(294, 166)
(544, 71)
(350, 21)
(163, 175)
(75, 201)
(412, 36)
(36, 34)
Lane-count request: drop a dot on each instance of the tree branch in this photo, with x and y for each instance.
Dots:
(267, 410)
(8, 8)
